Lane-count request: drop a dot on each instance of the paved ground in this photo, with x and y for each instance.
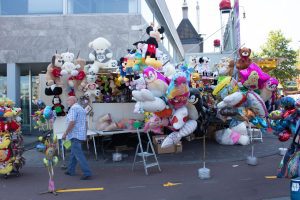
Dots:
(231, 177)
(229, 180)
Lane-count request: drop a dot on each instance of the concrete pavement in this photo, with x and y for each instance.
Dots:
(231, 177)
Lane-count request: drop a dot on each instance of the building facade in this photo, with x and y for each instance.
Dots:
(33, 30)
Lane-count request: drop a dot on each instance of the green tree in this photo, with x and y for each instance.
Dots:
(277, 46)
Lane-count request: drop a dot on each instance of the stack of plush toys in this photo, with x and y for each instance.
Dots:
(11, 141)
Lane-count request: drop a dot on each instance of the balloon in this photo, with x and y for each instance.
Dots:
(284, 135)
(262, 76)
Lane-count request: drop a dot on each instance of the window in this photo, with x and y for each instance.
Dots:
(3, 87)
(45, 6)
(14, 7)
(25, 7)
(98, 6)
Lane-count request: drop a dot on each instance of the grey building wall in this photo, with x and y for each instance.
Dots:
(34, 39)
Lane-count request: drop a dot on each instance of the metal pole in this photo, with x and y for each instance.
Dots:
(30, 98)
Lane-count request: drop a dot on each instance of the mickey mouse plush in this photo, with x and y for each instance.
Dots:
(153, 40)
(57, 106)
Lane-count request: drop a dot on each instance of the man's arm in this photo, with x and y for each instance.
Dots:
(69, 128)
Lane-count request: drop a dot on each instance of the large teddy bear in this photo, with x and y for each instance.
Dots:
(244, 61)
(101, 54)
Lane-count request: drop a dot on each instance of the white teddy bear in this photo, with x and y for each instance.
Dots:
(101, 55)
(69, 67)
(91, 88)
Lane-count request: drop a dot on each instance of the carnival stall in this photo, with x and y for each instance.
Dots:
(185, 98)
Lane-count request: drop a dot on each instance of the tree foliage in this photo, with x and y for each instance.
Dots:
(277, 46)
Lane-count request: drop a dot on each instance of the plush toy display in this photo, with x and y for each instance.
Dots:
(101, 54)
(11, 140)
(244, 61)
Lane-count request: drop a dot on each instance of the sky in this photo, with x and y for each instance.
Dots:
(262, 16)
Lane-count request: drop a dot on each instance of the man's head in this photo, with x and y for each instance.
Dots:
(71, 100)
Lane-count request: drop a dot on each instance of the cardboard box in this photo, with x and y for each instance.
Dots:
(157, 141)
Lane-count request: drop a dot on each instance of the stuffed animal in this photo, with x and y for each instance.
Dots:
(244, 61)
(53, 76)
(106, 123)
(101, 54)
(156, 82)
(91, 88)
(57, 107)
(269, 89)
(225, 67)
(53, 70)
(203, 67)
(153, 40)
(138, 84)
(146, 101)
(178, 90)
(69, 68)
(155, 124)
(152, 45)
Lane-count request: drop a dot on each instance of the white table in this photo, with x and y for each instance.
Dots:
(115, 132)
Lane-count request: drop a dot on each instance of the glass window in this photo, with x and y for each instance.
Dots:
(24, 101)
(3, 86)
(98, 6)
(133, 6)
(25, 7)
(14, 7)
(146, 12)
(45, 6)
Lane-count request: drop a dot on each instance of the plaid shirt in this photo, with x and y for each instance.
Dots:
(78, 115)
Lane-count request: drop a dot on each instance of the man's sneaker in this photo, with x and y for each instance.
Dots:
(85, 177)
(68, 173)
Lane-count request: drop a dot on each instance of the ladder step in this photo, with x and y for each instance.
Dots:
(151, 165)
(145, 154)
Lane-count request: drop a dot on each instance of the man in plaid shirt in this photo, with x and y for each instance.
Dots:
(76, 132)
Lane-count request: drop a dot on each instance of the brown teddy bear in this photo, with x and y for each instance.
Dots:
(244, 61)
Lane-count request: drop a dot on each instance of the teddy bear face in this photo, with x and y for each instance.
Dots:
(67, 57)
(100, 45)
(245, 52)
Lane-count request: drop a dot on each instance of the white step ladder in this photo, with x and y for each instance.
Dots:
(145, 154)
